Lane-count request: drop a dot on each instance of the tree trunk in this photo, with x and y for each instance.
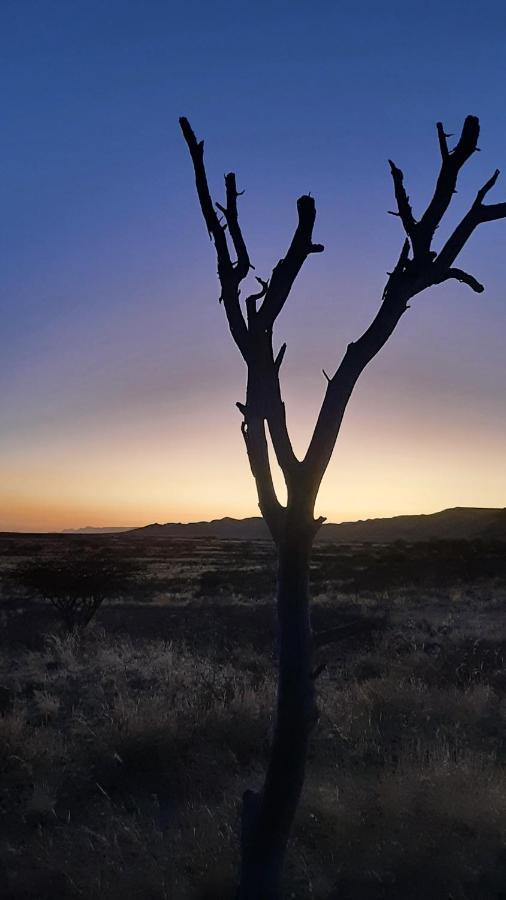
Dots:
(267, 817)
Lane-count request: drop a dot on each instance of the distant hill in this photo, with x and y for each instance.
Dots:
(90, 529)
(252, 528)
(450, 524)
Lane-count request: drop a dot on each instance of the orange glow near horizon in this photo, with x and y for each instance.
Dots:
(418, 436)
(119, 479)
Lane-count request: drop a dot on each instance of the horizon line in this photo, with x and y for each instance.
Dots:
(112, 528)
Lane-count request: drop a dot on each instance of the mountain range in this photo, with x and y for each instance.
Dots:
(461, 522)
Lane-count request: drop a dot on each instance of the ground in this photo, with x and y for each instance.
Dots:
(124, 752)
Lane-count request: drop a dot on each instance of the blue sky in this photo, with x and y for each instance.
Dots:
(118, 375)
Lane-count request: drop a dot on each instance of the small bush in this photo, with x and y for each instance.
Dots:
(76, 586)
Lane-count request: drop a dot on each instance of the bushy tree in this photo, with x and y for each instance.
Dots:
(76, 584)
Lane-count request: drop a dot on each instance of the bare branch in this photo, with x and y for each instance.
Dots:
(216, 232)
(264, 402)
(490, 212)
(227, 275)
(251, 301)
(487, 187)
(243, 264)
(443, 143)
(253, 432)
(287, 269)
(280, 357)
(276, 420)
(400, 266)
(403, 205)
(357, 356)
(464, 277)
(421, 233)
(479, 212)
(467, 143)
(264, 397)
(409, 277)
(451, 165)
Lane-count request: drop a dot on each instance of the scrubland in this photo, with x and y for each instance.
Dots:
(124, 751)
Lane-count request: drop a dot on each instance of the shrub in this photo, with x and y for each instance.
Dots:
(76, 586)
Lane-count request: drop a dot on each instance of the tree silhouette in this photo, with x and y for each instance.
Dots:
(77, 585)
(267, 816)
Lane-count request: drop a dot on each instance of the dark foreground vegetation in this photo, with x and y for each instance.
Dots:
(124, 749)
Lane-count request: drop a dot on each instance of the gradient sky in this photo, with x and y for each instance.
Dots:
(118, 375)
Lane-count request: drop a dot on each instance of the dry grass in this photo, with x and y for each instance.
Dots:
(122, 763)
(123, 757)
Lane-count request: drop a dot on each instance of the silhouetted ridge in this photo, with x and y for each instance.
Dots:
(461, 522)
(93, 529)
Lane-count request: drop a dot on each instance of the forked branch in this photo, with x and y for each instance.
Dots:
(451, 164)
(479, 212)
(215, 229)
(421, 233)
(229, 276)
(254, 336)
(287, 269)
(412, 274)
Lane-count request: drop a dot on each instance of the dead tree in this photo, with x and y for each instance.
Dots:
(267, 816)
